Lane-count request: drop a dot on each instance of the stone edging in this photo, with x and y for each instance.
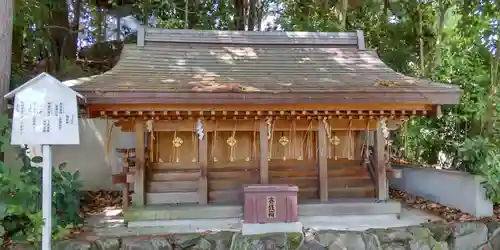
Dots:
(432, 236)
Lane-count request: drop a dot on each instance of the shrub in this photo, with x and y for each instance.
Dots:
(20, 193)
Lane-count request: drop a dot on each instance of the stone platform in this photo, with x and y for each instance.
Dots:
(458, 236)
(345, 214)
(358, 207)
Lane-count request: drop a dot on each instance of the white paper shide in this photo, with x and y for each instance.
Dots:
(45, 112)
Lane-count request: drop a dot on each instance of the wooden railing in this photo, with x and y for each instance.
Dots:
(372, 163)
(372, 166)
(126, 176)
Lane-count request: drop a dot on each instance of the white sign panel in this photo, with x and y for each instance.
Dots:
(45, 113)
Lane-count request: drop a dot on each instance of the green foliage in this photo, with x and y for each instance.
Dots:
(457, 39)
(466, 134)
(21, 192)
(481, 156)
(456, 36)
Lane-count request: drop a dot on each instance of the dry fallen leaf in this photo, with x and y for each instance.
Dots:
(448, 213)
(95, 202)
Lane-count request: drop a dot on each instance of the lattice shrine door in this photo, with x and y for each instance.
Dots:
(292, 155)
(175, 170)
(347, 177)
(233, 159)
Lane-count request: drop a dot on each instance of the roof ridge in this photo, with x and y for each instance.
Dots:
(355, 38)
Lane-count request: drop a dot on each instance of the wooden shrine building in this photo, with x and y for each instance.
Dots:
(213, 110)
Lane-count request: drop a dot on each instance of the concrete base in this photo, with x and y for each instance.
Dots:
(341, 214)
(441, 186)
(339, 207)
(252, 229)
(107, 227)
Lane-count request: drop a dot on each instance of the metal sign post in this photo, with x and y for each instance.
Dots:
(47, 196)
(45, 113)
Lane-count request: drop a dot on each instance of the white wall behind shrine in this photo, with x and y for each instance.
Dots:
(90, 157)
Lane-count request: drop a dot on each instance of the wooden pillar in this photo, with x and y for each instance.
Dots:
(382, 187)
(125, 194)
(436, 109)
(140, 164)
(358, 145)
(203, 160)
(322, 162)
(264, 153)
(125, 183)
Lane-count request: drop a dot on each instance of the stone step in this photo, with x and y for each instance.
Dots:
(195, 211)
(179, 212)
(165, 227)
(362, 207)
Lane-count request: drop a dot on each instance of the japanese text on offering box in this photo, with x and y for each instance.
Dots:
(271, 206)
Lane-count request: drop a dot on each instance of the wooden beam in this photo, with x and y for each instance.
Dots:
(140, 164)
(341, 96)
(264, 153)
(249, 125)
(382, 187)
(262, 107)
(283, 114)
(203, 160)
(322, 162)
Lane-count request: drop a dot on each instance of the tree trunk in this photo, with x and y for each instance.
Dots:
(302, 10)
(73, 37)
(343, 20)
(100, 28)
(252, 14)
(186, 14)
(118, 28)
(387, 6)
(490, 113)
(6, 22)
(259, 13)
(421, 39)
(145, 13)
(442, 9)
(58, 27)
(194, 16)
(239, 17)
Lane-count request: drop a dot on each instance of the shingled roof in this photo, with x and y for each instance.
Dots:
(189, 66)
